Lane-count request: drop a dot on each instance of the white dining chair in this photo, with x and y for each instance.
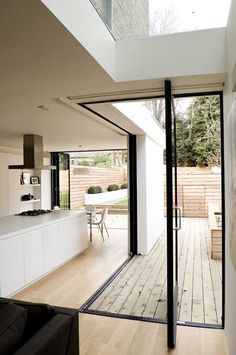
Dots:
(101, 223)
(91, 211)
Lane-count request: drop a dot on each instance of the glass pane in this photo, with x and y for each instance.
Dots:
(199, 197)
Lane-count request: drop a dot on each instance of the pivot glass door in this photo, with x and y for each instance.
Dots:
(173, 218)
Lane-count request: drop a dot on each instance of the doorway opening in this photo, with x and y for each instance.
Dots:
(139, 291)
(96, 182)
(200, 186)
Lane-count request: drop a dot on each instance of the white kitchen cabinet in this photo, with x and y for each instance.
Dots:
(82, 241)
(33, 255)
(30, 247)
(11, 265)
(63, 241)
(71, 235)
(68, 232)
(51, 247)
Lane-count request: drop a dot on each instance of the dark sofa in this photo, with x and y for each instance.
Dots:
(37, 329)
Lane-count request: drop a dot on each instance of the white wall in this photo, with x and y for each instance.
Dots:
(140, 115)
(174, 55)
(3, 185)
(230, 191)
(9, 184)
(150, 194)
(14, 190)
(46, 186)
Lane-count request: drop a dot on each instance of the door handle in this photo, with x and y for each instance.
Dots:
(179, 216)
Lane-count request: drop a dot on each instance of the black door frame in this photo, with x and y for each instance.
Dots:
(55, 193)
(55, 179)
(171, 212)
(220, 94)
(133, 219)
(209, 93)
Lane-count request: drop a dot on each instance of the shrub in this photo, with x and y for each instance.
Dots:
(124, 186)
(113, 187)
(94, 190)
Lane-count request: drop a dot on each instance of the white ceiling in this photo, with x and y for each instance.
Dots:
(40, 62)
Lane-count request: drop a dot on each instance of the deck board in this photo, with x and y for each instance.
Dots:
(140, 288)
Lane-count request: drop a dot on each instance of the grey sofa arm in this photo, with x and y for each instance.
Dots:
(51, 339)
(73, 348)
(40, 314)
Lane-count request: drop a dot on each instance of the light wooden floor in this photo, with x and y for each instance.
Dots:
(140, 289)
(73, 284)
(106, 336)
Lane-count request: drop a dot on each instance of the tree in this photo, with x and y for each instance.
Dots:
(162, 21)
(198, 134)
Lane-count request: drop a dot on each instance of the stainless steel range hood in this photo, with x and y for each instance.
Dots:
(33, 154)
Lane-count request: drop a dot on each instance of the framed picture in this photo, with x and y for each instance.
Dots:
(34, 180)
(25, 179)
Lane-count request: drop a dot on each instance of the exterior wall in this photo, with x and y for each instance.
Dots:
(130, 19)
(126, 19)
(81, 178)
(150, 193)
(196, 188)
(230, 194)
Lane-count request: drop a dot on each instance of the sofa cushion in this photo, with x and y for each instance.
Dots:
(12, 327)
(51, 339)
(38, 316)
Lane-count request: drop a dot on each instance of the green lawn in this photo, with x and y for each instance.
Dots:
(64, 199)
(123, 203)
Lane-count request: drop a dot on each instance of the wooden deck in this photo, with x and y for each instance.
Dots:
(140, 289)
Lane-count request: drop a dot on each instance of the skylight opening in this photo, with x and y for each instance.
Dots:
(129, 19)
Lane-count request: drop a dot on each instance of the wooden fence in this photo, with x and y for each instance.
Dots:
(81, 178)
(196, 188)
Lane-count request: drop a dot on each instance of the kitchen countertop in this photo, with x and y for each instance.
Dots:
(13, 225)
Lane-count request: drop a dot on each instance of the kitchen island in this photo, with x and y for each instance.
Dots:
(33, 246)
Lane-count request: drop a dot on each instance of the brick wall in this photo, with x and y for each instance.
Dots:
(130, 18)
(126, 18)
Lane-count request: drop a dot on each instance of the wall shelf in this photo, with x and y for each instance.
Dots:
(31, 185)
(30, 201)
